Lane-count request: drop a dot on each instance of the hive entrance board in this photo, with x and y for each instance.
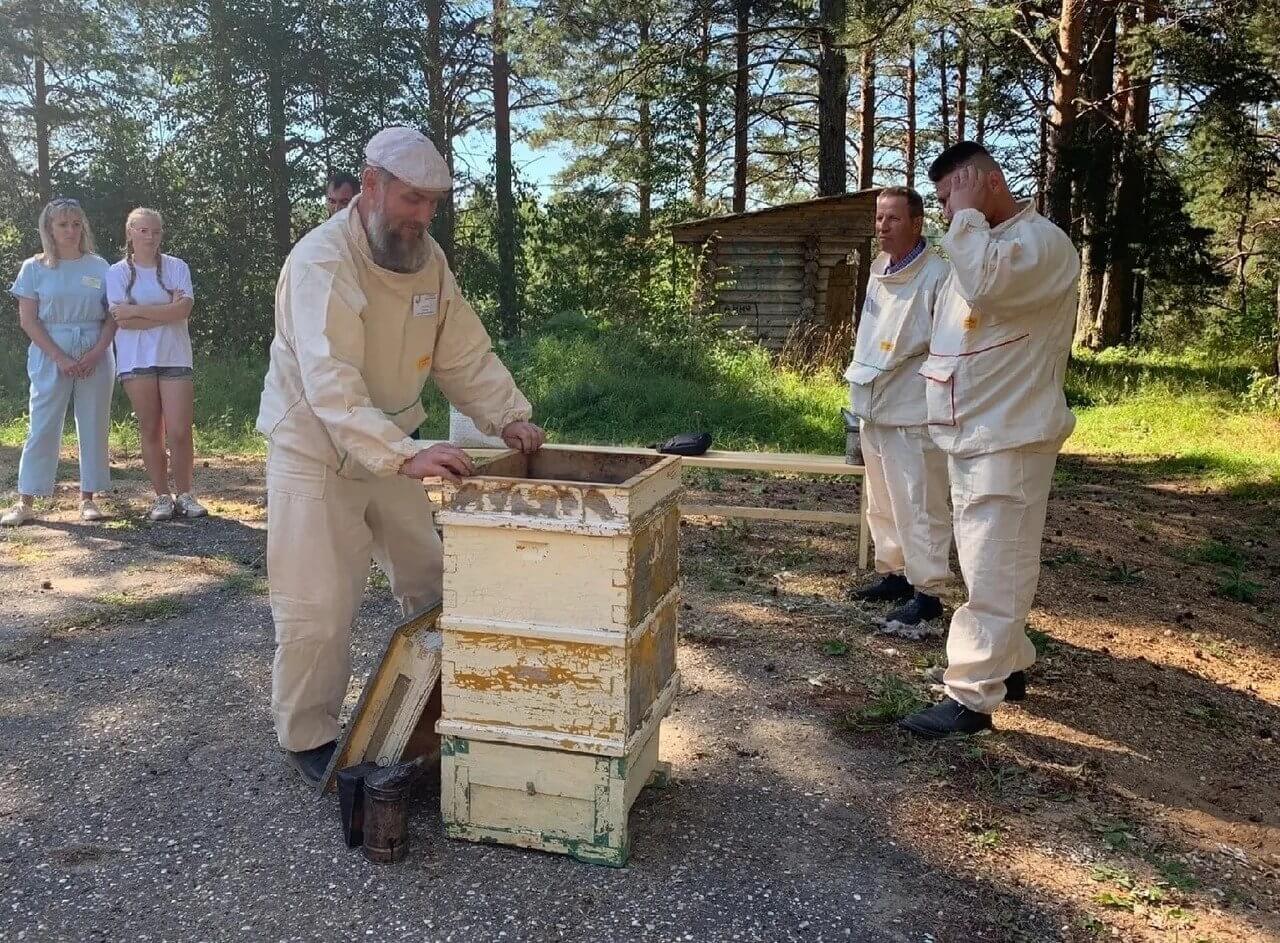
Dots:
(396, 715)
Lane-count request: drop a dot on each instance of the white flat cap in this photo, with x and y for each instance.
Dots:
(410, 156)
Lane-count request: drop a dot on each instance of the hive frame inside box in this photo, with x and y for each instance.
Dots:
(395, 718)
(531, 776)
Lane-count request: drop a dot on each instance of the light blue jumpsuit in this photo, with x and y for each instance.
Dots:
(72, 304)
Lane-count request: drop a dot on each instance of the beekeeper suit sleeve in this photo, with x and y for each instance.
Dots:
(326, 305)
(468, 372)
(1026, 267)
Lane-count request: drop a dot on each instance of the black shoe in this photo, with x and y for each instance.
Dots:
(947, 718)
(1015, 686)
(892, 587)
(915, 619)
(312, 763)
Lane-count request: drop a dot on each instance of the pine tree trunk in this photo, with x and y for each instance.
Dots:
(1275, 350)
(1062, 118)
(644, 187)
(1042, 160)
(44, 181)
(443, 227)
(1096, 185)
(1118, 306)
(911, 115)
(867, 130)
(980, 99)
(508, 308)
(944, 108)
(277, 131)
(833, 99)
(962, 93)
(704, 108)
(740, 105)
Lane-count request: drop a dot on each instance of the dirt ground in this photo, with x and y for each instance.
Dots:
(1132, 796)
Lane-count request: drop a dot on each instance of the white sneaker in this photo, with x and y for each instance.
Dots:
(18, 514)
(90, 511)
(162, 510)
(189, 506)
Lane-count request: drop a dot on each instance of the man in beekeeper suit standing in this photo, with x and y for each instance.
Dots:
(906, 474)
(366, 311)
(994, 387)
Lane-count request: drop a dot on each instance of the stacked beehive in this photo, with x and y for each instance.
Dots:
(561, 591)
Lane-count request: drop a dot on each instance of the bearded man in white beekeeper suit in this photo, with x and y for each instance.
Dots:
(994, 387)
(906, 474)
(367, 311)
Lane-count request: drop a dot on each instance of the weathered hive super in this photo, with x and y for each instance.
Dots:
(561, 591)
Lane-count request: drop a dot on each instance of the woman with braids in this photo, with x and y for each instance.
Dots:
(62, 308)
(151, 298)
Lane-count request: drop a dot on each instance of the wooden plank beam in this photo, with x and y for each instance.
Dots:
(769, 514)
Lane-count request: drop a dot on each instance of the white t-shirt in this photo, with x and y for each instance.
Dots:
(165, 345)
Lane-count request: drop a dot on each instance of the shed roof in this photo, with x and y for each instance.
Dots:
(848, 213)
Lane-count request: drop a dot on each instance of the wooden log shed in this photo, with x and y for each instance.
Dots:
(778, 271)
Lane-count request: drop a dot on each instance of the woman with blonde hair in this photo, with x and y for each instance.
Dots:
(62, 308)
(151, 297)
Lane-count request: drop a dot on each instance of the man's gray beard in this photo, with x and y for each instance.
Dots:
(390, 250)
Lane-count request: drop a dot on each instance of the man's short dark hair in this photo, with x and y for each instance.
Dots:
(957, 155)
(339, 179)
(915, 202)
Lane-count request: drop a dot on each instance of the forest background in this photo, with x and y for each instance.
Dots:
(579, 131)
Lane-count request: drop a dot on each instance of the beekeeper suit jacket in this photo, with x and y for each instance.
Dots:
(354, 346)
(994, 386)
(885, 386)
(906, 475)
(1002, 336)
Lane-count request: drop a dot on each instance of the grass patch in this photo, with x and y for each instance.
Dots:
(246, 583)
(1233, 584)
(1183, 418)
(891, 699)
(121, 607)
(1215, 553)
(1179, 417)
(23, 549)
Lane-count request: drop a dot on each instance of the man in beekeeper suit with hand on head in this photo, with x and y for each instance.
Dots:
(993, 383)
(367, 311)
(906, 474)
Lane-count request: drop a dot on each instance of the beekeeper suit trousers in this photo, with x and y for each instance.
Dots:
(1000, 502)
(906, 482)
(322, 531)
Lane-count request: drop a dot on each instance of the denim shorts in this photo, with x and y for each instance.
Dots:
(160, 373)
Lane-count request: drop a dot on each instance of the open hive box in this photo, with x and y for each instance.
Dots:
(561, 591)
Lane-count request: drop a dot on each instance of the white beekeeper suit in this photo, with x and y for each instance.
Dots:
(354, 346)
(994, 384)
(906, 474)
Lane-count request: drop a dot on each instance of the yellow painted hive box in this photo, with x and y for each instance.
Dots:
(549, 800)
(560, 617)
(560, 622)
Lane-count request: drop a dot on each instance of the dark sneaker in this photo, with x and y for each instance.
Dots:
(917, 619)
(945, 719)
(1015, 686)
(312, 763)
(892, 587)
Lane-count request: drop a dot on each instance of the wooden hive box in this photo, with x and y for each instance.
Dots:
(561, 596)
(549, 800)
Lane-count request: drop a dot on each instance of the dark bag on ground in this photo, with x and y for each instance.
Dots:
(687, 443)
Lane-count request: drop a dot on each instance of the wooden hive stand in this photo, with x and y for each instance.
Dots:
(561, 595)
